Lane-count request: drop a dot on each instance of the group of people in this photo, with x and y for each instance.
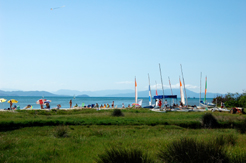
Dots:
(159, 104)
(97, 105)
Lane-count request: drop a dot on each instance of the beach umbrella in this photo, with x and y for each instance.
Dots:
(2, 100)
(41, 101)
(13, 101)
(47, 101)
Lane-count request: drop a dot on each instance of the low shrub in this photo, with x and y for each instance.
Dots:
(117, 113)
(61, 131)
(187, 150)
(238, 157)
(209, 121)
(241, 128)
(122, 155)
(225, 140)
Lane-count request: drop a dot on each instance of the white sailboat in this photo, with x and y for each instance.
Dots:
(138, 103)
(150, 97)
(181, 93)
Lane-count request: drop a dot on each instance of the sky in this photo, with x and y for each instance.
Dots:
(99, 45)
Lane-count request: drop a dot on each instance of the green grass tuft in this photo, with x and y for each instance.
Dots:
(123, 155)
(61, 131)
(242, 127)
(117, 113)
(209, 121)
(188, 150)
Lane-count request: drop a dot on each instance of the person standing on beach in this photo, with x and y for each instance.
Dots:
(123, 105)
(165, 103)
(113, 104)
(10, 103)
(70, 102)
(222, 105)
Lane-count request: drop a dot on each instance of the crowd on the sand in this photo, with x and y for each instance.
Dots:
(97, 105)
(158, 103)
(47, 106)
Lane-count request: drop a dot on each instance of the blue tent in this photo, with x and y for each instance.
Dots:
(165, 96)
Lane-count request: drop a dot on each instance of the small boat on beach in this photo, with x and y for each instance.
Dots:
(158, 110)
(150, 98)
(204, 103)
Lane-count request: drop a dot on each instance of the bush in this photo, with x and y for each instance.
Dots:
(225, 140)
(231, 100)
(117, 113)
(187, 150)
(208, 121)
(115, 155)
(241, 128)
(61, 131)
(239, 157)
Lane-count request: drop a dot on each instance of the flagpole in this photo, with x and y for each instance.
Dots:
(161, 84)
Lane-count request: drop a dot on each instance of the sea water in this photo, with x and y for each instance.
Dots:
(23, 101)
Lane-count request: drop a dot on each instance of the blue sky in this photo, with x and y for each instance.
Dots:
(98, 45)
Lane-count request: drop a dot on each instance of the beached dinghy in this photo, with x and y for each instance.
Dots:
(158, 110)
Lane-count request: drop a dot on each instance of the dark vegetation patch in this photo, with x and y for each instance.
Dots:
(61, 131)
(209, 121)
(122, 155)
(117, 113)
(188, 150)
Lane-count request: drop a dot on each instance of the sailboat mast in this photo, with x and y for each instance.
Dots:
(184, 84)
(161, 84)
(150, 97)
(170, 85)
(205, 89)
(200, 88)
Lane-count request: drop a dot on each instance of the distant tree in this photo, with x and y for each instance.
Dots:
(231, 100)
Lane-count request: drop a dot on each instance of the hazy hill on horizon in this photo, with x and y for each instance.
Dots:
(104, 93)
(26, 93)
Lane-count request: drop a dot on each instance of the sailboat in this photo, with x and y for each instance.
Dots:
(150, 97)
(205, 103)
(181, 93)
(137, 103)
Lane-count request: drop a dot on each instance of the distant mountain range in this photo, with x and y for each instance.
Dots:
(26, 93)
(103, 93)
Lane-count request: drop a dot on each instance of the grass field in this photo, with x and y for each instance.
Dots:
(34, 136)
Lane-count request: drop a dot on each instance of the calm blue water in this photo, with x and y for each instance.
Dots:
(64, 101)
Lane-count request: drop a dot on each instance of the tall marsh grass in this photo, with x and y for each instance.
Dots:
(188, 150)
(117, 113)
(122, 155)
(61, 131)
(209, 121)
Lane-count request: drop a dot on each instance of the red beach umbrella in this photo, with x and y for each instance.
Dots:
(41, 101)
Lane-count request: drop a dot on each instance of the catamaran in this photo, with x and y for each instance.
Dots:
(205, 103)
(138, 103)
(150, 97)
